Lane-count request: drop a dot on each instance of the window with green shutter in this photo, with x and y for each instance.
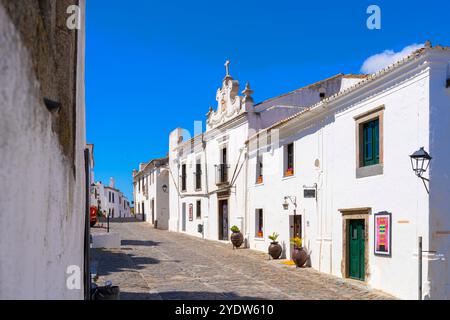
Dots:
(370, 143)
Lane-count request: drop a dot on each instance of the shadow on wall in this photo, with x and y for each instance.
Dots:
(185, 295)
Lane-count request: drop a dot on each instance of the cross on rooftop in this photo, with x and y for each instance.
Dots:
(227, 67)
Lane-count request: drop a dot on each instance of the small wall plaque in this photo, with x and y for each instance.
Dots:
(309, 193)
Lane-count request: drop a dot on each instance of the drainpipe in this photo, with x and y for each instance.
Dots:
(420, 268)
(206, 183)
(87, 229)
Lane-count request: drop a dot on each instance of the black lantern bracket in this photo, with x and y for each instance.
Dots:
(420, 161)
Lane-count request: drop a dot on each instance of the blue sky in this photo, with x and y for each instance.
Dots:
(152, 66)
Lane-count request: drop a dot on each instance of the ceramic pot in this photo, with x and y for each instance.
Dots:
(300, 256)
(275, 250)
(237, 239)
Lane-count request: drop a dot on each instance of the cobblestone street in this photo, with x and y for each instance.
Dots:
(156, 264)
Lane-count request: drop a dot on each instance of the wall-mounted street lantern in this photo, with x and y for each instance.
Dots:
(164, 188)
(420, 161)
(293, 199)
(285, 204)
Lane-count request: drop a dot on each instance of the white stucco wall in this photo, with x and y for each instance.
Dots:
(152, 177)
(42, 207)
(415, 103)
(408, 124)
(439, 174)
(120, 210)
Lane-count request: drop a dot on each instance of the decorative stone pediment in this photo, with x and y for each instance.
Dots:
(229, 103)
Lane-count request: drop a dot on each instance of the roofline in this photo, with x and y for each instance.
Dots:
(342, 75)
(115, 189)
(370, 78)
(150, 163)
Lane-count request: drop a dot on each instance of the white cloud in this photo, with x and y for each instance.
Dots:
(381, 60)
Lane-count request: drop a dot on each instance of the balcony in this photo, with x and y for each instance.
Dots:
(222, 173)
(198, 180)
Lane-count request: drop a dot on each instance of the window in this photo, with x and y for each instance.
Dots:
(222, 167)
(370, 143)
(183, 177)
(109, 197)
(113, 197)
(259, 168)
(289, 160)
(259, 223)
(198, 213)
(198, 175)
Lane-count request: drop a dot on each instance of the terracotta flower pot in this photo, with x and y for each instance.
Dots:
(275, 250)
(300, 256)
(237, 239)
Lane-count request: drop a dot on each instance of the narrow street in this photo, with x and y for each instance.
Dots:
(155, 264)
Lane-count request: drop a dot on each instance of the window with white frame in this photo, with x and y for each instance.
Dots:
(289, 159)
(183, 177)
(198, 174)
(198, 214)
(259, 223)
(259, 168)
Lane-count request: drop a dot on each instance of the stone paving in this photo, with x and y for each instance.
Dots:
(155, 264)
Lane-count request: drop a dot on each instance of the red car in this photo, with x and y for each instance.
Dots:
(93, 214)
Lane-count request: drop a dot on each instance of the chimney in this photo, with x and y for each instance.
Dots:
(112, 183)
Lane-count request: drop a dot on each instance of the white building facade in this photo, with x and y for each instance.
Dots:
(151, 192)
(110, 200)
(338, 153)
(209, 171)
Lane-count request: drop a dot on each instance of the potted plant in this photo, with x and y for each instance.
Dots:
(237, 238)
(289, 172)
(300, 255)
(275, 248)
(260, 179)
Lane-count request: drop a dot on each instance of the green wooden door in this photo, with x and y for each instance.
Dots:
(356, 268)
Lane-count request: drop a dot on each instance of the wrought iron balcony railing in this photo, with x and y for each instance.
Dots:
(222, 173)
(198, 180)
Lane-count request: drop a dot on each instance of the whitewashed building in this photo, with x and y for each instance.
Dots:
(110, 200)
(338, 152)
(151, 192)
(43, 164)
(209, 171)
